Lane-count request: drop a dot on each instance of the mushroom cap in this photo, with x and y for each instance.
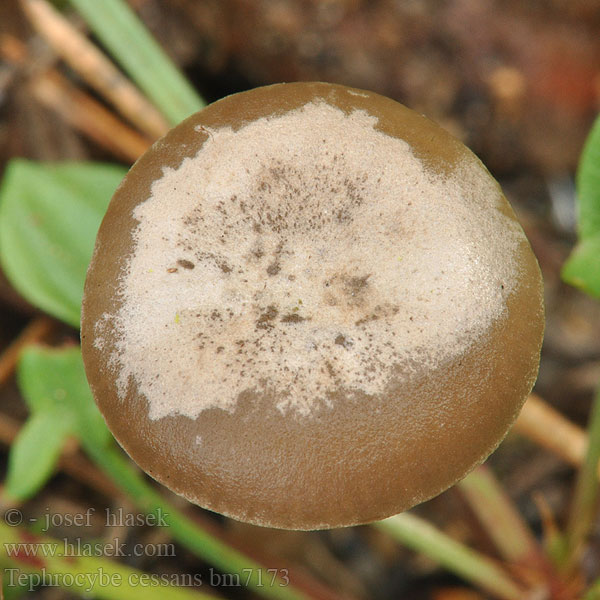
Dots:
(308, 307)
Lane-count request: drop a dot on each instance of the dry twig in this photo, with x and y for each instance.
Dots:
(88, 116)
(94, 67)
(77, 108)
(36, 330)
(545, 426)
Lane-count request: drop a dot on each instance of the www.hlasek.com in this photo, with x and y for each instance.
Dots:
(78, 548)
(93, 580)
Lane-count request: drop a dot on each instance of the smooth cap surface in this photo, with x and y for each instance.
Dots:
(308, 307)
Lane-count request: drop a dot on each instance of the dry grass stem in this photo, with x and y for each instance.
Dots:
(37, 329)
(501, 519)
(77, 108)
(94, 67)
(545, 426)
(88, 116)
(12, 49)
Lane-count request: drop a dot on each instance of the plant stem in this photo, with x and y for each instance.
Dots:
(423, 537)
(547, 427)
(186, 532)
(130, 43)
(84, 57)
(585, 499)
(86, 575)
(499, 517)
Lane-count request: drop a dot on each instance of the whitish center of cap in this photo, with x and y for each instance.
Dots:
(303, 254)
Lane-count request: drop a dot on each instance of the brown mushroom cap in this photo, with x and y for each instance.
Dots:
(310, 307)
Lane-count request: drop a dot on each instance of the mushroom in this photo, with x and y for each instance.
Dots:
(309, 307)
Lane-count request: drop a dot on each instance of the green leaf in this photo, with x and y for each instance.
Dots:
(582, 269)
(49, 217)
(128, 40)
(35, 452)
(54, 386)
(55, 377)
(588, 185)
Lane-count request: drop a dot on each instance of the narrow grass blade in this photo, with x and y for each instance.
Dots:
(130, 43)
(584, 507)
(500, 518)
(417, 534)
